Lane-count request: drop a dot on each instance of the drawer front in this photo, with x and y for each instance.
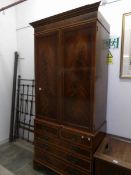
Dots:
(46, 137)
(49, 160)
(83, 152)
(61, 166)
(73, 171)
(76, 138)
(82, 164)
(66, 156)
(80, 151)
(46, 128)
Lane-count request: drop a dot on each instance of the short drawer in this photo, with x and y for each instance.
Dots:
(76, 161)
(69, 170)
(47, 128)
(75, 137)
(62, 154)
(80, 151)
(45, 137)
(51, 161)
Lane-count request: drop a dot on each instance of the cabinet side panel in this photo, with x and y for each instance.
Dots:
(101, 78)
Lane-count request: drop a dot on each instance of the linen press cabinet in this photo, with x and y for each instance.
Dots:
(71, 89)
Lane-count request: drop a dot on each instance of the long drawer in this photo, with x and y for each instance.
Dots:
(51, 161)
(80, 151)
(70, 135)
(76, 137)
(69, 157)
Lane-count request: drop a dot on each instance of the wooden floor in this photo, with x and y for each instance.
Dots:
(16, 159)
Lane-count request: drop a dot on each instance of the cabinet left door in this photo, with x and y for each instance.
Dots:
(46, 67)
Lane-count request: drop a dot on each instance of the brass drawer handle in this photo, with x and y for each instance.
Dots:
(88, 138)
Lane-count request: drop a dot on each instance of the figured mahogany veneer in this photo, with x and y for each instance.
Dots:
(71, 89)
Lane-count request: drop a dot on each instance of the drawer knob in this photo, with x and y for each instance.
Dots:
(89, 139)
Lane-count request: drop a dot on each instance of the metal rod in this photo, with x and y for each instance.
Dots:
(25, 84)
(26, 128)
(11, 136)
(27, 80)
(11, 5)
(26, 113)
(31, 110)
(25, 109)
(28, 95)
(17, 110)
(26, 124)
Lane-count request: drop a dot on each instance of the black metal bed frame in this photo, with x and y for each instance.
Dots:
(25, 110)
(22, 107)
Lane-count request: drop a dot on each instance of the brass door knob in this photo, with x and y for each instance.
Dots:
(82, 137)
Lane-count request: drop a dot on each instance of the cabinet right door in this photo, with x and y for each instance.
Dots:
(78, 50)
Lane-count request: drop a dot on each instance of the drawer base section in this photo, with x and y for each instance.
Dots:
(37, 165)
(67, 170)
(64, 150)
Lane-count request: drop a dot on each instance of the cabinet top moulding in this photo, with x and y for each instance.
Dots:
(80, 11)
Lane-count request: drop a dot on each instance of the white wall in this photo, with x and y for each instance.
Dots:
(119, 95)
(7, 49)
(4, 3)
(119, 91)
